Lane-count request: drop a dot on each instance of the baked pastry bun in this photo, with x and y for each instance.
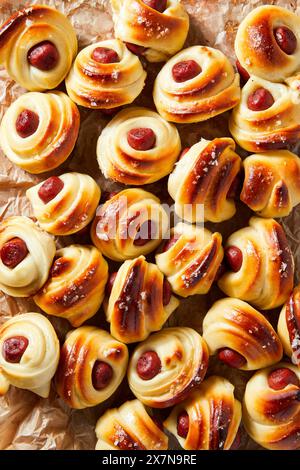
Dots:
(139, 300)
(240, 335)
(261, 264)
(138, 147)
(267, 43)
(129, 224)
(201, 181)
(272, 183)
(167, 366)
(37, 47)
(289, 326)
(195, 85)
(26, 255)
(271, 408)
(75, 288)
(190, 259)
(29, 353)
(160, 27)
(39, 130)
(267, 117)
(64, 204)
(208, 419)
(129, 427)
(92, 365)
(105, 75)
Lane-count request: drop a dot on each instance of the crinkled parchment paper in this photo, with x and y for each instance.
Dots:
(27, 421)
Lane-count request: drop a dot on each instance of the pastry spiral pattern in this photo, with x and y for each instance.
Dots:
(209, 89)
(37, 47)
(161, 33)
(129, 427)
(202, 179)
(208, 419)
(75, 288)
(29, 353)
(92, 365)
(267, 43)
(39, 130)
(190, 259)
(272, 183)
(140, 301)
(232, 326)
(127, 160)
(264, 272)
(66, 204)
(26, 255)
(96, 83)
(289, 326)
(271, 408)
(129, 224)
(167, 366)
(271, 124)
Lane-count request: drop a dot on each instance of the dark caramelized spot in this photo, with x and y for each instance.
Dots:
(183, 423)
(148, 365)
(185, 70)
(167, 292)
(50, 189)
(101, 375)
(27, 123)
(231, 358)
(44, 56)
(158, 5)
(233, 258)
(260, 99)
(59, 266)
(110, 283)
(14, 348)
(13, 252)
(141, 138)
(143, 235)
(285, 39)
(105, 55)
(280, 378)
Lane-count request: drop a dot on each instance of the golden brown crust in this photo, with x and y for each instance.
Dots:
(272, 417)
(82, 348)
(234, 324)
(129, 427)
(289, 326)
(135, 305)
(272, 183)
(75, 288)
(214, 416)
(203, 176)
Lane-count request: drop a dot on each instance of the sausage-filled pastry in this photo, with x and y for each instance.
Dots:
(139, 300)
(167, 366)
(196, 84)
(29, 353)
(271, 408)
(156, 29)
(26, 254)
(129, 224)
(261, 264)
(75, 288)
(138, 147)
(267, 44)
(190, 259)
(289, 326)
(267, 117)
(240, 335)
(272, 183)
(92, 365)
(64, 204)
(105, 75)
(129, 427)
(209, 418)
(39, 130)
(37, 47)
(202, 179)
